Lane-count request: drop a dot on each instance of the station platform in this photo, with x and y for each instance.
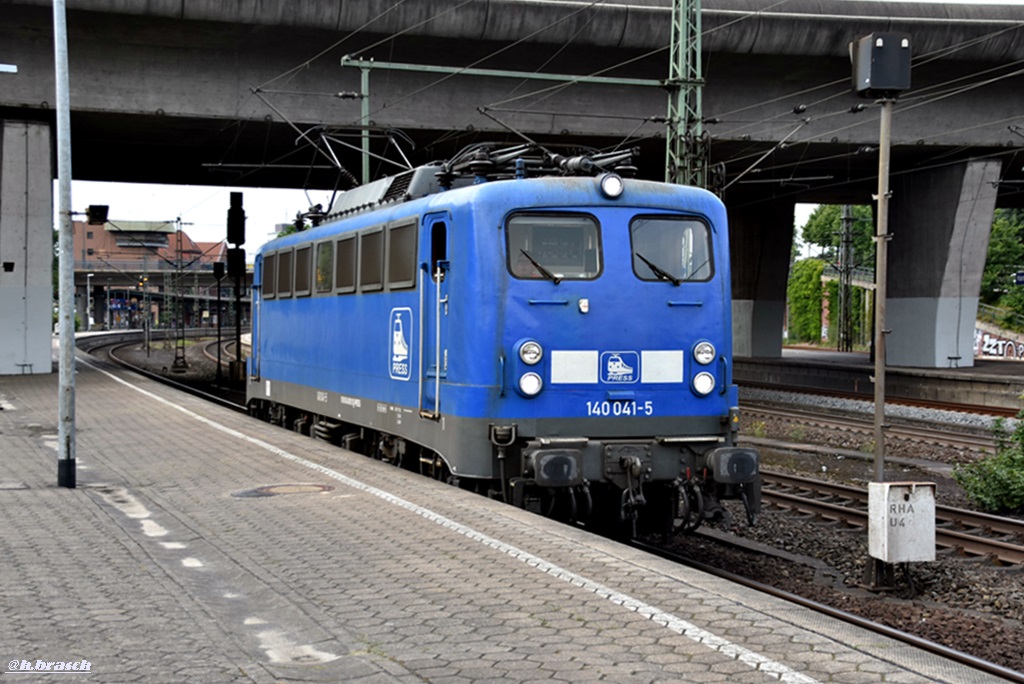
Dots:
(997, 384)
(203, 546)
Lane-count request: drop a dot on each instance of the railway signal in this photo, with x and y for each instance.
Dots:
(881, 70)
(236, 271)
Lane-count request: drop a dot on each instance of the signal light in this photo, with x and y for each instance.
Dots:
(236, 220)
(96, 214)
(236, 262)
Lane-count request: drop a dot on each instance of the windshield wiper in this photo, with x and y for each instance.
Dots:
(658, 271)
(543, 271)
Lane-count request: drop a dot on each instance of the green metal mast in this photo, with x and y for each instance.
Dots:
(686, 145)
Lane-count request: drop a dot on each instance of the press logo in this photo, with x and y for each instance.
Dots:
(400, 343)
(48, 666)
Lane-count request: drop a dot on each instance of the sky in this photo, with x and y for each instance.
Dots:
(203, 210)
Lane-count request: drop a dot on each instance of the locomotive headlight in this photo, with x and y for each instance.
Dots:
(703, 383)
(530, 384)
(531, 353)
(704, 353)
(611, 185)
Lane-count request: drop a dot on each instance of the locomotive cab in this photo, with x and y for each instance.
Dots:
(623, 386)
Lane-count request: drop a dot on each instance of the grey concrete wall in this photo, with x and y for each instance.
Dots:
(761, 237)
(26, 248)
(940, 222)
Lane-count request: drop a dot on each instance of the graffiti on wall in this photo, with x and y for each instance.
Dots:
(988, 345)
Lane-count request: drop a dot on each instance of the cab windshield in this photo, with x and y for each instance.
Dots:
(672, 249)
(554, 247)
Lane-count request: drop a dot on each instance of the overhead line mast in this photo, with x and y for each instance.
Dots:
(686, 146)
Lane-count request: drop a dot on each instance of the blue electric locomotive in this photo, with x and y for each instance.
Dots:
(563, 342)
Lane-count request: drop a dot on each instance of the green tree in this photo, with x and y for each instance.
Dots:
(823, 228)
(1005, 256)
(297, 226)
(804, 295)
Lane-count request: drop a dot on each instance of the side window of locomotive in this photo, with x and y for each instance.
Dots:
(324, 265)
(402, 256)
(371, 260)
(269, 276)
(345, 265)
(554, 246)
(671, 248)
(284, 273)
(303, 270)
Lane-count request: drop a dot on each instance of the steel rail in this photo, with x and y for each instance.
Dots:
(965, 542)
(213, 357)
(946, 515)
(972, 442)
(905, 401)
(167, 381)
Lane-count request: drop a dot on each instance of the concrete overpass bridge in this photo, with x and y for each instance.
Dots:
(201, 91)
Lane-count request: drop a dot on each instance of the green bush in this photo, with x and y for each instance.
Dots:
(996, 483)
(804, 295)
(56, 317)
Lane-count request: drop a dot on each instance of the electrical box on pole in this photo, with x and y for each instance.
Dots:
(881, 64)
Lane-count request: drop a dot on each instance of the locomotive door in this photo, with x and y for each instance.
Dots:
(256, 298)
(433, 314)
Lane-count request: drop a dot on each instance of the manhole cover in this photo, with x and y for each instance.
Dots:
(274, 490)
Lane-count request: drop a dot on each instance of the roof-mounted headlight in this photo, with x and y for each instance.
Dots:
(611, 185)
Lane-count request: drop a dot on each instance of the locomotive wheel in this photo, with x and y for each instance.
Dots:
(690, 509)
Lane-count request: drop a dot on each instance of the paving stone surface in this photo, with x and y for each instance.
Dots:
(157, 569)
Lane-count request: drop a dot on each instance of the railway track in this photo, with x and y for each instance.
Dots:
(960, 531)
(980, 442)
(866, 624)
(226, 357)
(227, 399)
(890, 399)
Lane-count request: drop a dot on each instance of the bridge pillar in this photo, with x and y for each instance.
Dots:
(26, 248)
(760, 238)
(940, 220)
